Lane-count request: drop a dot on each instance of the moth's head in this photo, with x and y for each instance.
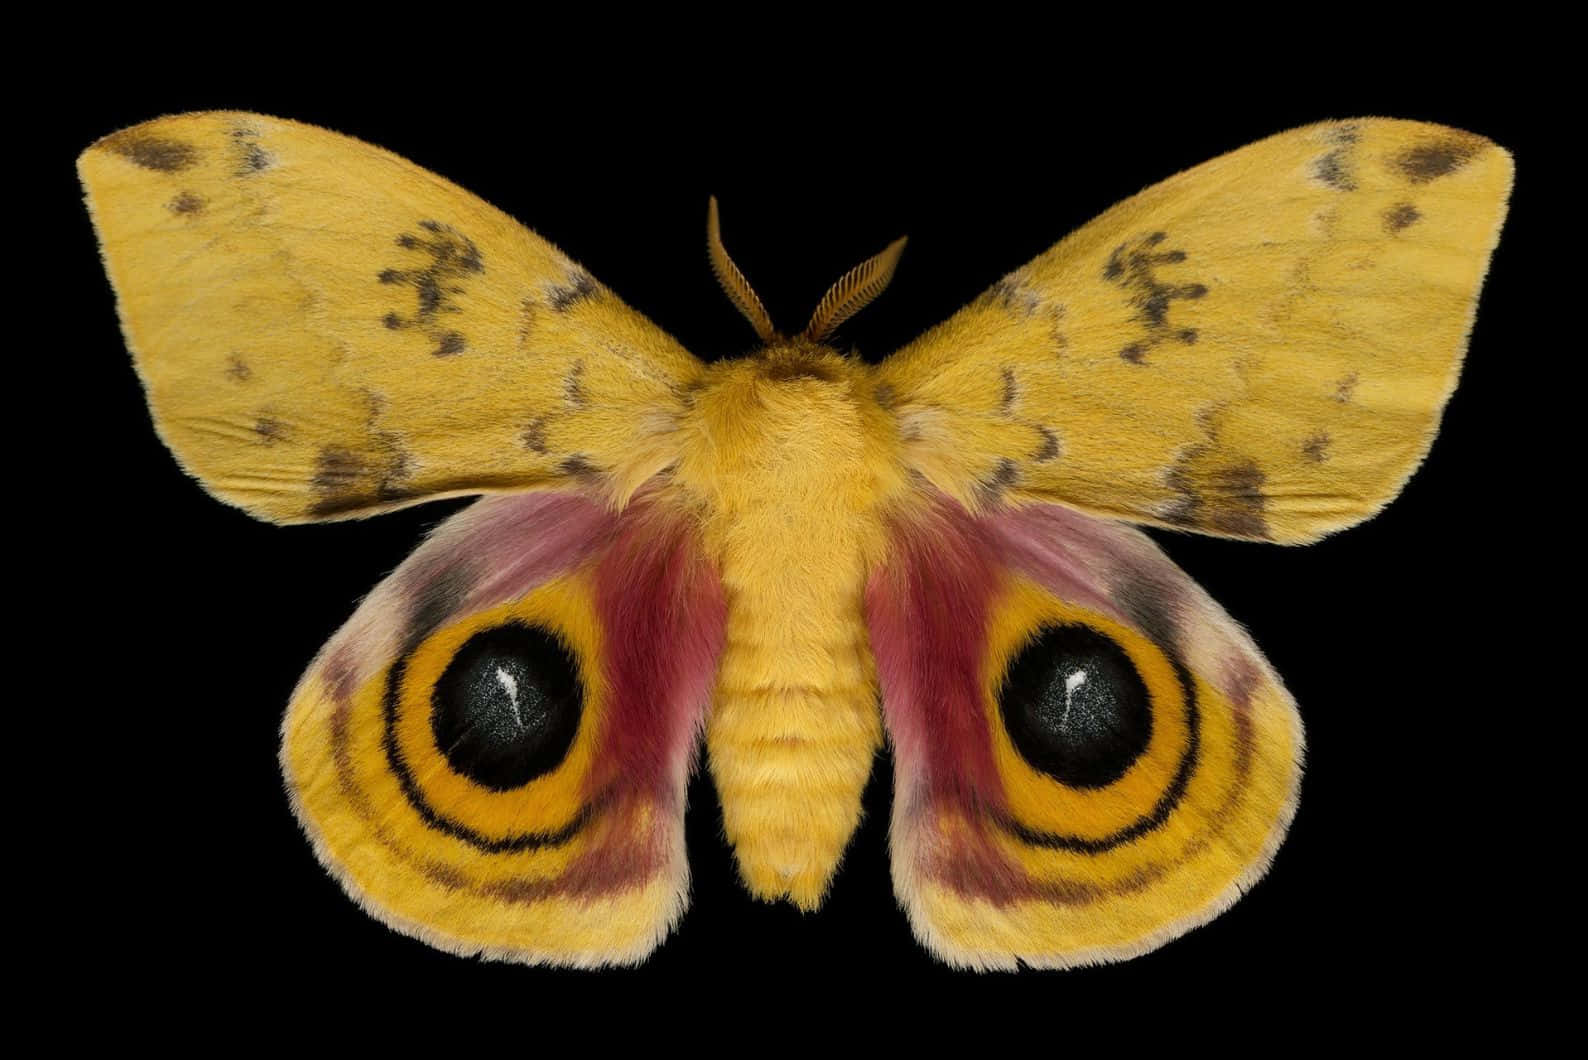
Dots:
(853, 292)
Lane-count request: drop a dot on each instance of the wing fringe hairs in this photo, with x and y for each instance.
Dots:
(1091, 756)
(582, 866)
(998, 863)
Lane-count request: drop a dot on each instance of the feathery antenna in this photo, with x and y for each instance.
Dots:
(854, 291)
(733, 282)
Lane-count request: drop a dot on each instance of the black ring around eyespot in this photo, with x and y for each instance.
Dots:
(428, 813)
(1160, 811)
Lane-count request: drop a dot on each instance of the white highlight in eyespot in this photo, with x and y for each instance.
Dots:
(1071, 683)
(510, 686)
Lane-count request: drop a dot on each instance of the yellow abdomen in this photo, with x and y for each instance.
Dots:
(788, 459)
(790, 740)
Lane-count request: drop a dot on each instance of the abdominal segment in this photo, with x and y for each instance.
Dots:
(790, 738)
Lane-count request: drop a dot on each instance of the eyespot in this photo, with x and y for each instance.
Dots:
(1095, 726)
(507, 707)
(1075, 706)
(489, 724)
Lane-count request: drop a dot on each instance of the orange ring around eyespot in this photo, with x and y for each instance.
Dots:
(1039, 802)
(551, 803)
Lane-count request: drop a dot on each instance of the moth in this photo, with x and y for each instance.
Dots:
(794, 556)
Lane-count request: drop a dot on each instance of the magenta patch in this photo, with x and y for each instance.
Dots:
(1059, 549)
(663, 615)
(523, 540)
(927, 610)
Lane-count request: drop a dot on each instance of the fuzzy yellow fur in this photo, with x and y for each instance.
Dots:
(1218, 841)
(259, 304)
(1259, 347)
(409, 875)
(788, 459)
(1035, 798)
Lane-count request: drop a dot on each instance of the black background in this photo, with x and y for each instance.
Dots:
(204, 619)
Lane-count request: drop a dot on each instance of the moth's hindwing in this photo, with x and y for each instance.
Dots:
(1258, 348)
(1091, 758)
(326, 330)
(492, 754)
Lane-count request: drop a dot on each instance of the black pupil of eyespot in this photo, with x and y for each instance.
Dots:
(506, 708)
(1076, 707)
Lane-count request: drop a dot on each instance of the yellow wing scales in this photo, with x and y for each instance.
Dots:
(326, 330)
(1259, 347)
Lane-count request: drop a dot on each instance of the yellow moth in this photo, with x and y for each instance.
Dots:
(791, 557)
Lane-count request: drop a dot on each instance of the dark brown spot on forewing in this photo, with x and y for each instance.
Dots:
(237, 369)
(158, 153)
(581, 286)
(991, 488)
(338, 473)
(578, 466)
(1345, 388)
(1235, 501)
(270, 430)
(332, 505)
(255, 160)
(1050, 445)
(452, 258)
(1334, 169)
(1218, 493)
(1184, 510)
(885, 396)
(1316, 448)
(1436, 158)
(1133, 266)
(1011, 390)
(396, 467)
(186, 204)
(573, 390)
(1056, 328)
(1402, 215)
(249, 157)
(526, 319)
(347, 480)
(534, 435)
